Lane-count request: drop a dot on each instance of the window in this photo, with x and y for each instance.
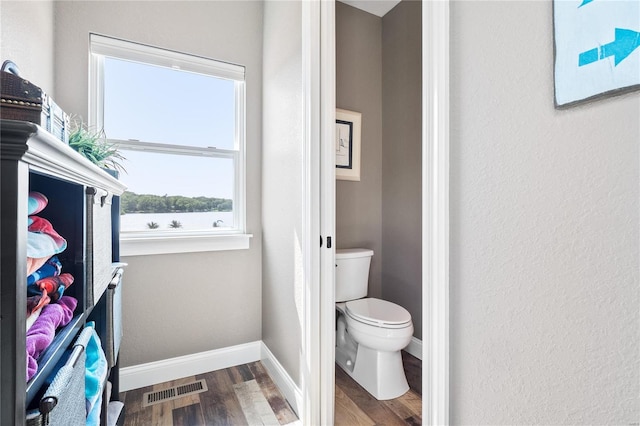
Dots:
(180, 122)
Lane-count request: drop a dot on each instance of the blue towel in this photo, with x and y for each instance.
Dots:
(96, 374)
(52, 268)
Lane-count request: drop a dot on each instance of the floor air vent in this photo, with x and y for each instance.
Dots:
(180, 391)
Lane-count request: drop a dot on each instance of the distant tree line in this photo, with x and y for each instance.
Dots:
(130, 202)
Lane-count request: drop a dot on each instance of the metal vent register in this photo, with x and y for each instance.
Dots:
(152, 398)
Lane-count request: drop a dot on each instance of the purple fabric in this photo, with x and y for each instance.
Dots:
(42, 332)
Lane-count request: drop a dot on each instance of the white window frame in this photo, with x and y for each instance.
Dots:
(162, 242)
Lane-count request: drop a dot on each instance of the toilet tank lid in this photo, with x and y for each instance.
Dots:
(353, 253)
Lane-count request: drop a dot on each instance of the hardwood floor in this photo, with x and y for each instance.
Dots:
(241, 395)
(355, 406)
(246, 395)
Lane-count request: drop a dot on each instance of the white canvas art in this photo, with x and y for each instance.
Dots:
(596, 48)
(348, 127)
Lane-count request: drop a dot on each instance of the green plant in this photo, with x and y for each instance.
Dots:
(175, 224)
(153, 225)
(93, 145)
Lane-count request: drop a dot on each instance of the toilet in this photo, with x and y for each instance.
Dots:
(370, 332)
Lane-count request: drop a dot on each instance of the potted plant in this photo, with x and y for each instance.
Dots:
(93, 145)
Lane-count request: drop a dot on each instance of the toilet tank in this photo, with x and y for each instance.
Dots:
(352, 273)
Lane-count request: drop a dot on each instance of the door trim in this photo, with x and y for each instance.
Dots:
(328, 208)
(435, 208)
(312, 363)
(317, 361)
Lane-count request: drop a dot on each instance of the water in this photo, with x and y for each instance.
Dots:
(189, 221)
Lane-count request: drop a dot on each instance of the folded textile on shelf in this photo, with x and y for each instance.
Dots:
(42, 239)
(51, 268)
(35, 263)
(42, 332)
(54, 286)
(37, 302)
(37, 202)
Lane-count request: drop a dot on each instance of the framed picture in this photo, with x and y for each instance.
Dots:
(348, 126)
(596, 49)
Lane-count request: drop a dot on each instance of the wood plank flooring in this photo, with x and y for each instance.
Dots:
(355, 406)
(241, 395)
(246, 395)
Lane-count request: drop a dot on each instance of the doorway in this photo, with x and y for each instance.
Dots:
(321, 55)
(378, 76)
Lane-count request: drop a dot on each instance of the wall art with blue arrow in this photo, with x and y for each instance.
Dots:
(597, 49)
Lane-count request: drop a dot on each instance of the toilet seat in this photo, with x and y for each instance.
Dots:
(378, 313)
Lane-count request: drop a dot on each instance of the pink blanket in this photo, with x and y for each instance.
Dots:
(42, 239)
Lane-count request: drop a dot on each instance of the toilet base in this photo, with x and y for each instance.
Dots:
(379, 373)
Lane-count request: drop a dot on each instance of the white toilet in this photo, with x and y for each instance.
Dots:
(370, 332)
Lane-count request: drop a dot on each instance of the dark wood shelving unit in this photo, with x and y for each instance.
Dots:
(33, 159)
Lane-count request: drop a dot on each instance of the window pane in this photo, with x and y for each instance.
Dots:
(157, 104)
(176, 191)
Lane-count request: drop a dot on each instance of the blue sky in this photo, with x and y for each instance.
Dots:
(156, 104)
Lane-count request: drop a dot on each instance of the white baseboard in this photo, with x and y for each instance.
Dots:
(138, 376)
(283, 381)
(415, 348)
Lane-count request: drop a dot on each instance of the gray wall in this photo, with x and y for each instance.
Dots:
(359, 88)
(26, 38)
(179, 304)
(402, 158)
(544, 260)
(282, 131)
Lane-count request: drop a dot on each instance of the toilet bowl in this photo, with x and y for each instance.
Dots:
(370, 332)
(368, 349)
(379, 324)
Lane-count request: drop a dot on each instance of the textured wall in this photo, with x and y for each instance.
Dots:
(359, 88)
(180, 304)
(544, 261)
(402, 158)
(282, 133)
(26, 38)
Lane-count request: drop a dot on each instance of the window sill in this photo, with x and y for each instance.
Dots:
(144, 245)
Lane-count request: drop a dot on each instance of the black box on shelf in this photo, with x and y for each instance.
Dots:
(22, 100)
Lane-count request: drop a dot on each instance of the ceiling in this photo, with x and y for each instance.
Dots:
(375, 7)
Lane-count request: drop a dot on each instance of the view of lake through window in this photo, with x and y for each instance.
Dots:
(177, 130)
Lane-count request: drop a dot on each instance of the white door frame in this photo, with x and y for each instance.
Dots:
(328, 207)
(318, 58)
(319, 102)
(435, 212)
